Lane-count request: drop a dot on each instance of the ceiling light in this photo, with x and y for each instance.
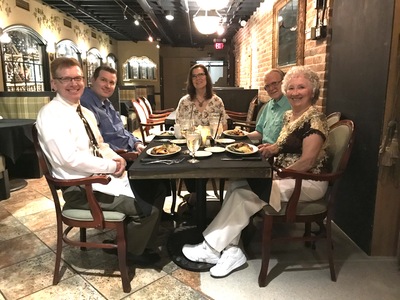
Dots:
(170, 15)
(136, 20)
(125, 17)
(242, 22)
(150, 39)
(207, 24)
(4, 37)
(220, 29)
(212, 4)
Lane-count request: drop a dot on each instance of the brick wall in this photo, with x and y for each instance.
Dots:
(253, 49)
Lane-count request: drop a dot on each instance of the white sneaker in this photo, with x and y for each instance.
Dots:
(201, 253)
(231, 259)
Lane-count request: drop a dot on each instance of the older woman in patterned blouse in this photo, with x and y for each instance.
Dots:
(300, 146)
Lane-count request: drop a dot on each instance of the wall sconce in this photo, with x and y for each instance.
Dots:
(4, 37)
(51, 50)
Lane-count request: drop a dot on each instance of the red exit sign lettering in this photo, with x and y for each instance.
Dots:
(219, 46)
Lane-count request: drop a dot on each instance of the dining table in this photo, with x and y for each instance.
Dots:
(15, 137)
(221, 165)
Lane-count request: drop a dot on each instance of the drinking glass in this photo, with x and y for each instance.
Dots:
(193, 141)
(214, 119)
(186, 125)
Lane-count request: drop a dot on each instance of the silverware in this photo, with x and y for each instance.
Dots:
(148, 161)
(242, 158)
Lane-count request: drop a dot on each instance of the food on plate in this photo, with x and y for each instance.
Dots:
(241, 148)
(166, 133)
(165, 149)
(236, 131)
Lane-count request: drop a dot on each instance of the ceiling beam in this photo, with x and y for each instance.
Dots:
(90, 15)
(150, 12)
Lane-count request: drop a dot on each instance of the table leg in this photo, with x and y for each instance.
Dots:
(201, 203)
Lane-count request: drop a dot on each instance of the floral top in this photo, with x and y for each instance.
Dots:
(188, 110)
(290, 140)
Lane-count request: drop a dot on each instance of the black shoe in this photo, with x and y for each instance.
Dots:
(147, 258)
(167, 217)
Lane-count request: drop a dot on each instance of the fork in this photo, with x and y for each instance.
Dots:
(165, 161)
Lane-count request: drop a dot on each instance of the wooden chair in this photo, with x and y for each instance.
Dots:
(94, 217)
(340, 138)
(333, 118)
(246, 120)
(146, 124)
(163, 113)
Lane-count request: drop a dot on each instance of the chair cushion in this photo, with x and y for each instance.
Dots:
(303, 208)
(85, 215)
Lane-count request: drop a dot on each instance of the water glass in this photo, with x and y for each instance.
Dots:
(193, 141)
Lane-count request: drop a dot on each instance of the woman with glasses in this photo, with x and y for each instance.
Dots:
(270, 122)
(200, 101)
(197, 106)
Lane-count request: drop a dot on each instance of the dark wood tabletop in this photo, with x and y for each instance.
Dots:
(208, 167)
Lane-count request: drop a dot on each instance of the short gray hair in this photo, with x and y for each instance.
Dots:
(308, 74)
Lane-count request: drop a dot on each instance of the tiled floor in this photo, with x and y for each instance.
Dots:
(27, 243)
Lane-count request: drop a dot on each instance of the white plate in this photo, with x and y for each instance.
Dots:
(179, 141)
(215, 149)
(148, 151)
(230, 147)
(225, 141)
(202, 154)
(230, 134)
(166, 134)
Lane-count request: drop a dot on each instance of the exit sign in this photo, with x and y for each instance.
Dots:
(219, 46)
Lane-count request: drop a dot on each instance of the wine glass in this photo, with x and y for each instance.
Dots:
(193, 141)
(186, 125)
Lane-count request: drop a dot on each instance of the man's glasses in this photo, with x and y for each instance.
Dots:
(272, 85)
(198, 75)
(65, 80)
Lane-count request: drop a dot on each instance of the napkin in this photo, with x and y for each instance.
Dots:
(275, 197)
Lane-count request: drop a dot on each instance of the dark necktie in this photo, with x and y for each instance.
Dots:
(93, 141)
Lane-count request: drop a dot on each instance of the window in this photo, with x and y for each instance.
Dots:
(288, 40)
(139, 68)
(68, 49)
(23, 61)
(93, 61)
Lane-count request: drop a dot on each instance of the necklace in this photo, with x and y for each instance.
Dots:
(200, 102)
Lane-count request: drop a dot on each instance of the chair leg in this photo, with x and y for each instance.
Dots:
(221, 189)
(307, 233)
(121, 246)
(265, 250)
(214, 184)
(56, 275)
(173, 191)
(179, 189)
(82, 234)
(329, 245)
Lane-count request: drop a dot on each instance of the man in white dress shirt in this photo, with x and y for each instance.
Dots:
(73, 153)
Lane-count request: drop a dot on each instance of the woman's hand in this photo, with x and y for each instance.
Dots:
(268, 150)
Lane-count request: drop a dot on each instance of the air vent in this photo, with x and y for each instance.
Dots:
(94, 35)
(22, 4)
(67, 23)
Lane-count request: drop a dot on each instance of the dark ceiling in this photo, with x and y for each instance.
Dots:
(116, 17)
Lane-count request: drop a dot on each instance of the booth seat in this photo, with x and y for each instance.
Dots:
(19, 105)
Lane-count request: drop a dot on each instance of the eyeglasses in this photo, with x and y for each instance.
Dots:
(198, 75)
(272, 85)
(65, 80)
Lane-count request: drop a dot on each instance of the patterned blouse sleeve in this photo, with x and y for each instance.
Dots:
(318, 125)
